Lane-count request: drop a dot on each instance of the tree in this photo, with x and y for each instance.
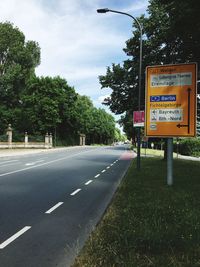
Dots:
(43, 104)
(102, 129)
(18, 60)
(169, 37)
(47, 105)
(82, 116)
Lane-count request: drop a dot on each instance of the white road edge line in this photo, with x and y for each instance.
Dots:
(8, 161)
(97, 175)
(42, 164)
(89, 182)
(75, 192)
(8, 164)
(54, 207)
(15, 236)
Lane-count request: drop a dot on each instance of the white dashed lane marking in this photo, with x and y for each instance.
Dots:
(75, 192)
(26, 228)
(15, 236)
(33, 163)
(88, 182)
(54, 207)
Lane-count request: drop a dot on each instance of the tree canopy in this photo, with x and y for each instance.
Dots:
(18, 60)
(170, 35)
(44, 104)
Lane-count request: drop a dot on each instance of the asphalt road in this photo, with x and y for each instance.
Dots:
(50, 202)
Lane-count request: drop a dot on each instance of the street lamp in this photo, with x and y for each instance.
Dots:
(105, 10)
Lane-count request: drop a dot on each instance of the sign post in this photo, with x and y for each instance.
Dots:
(170, 161)
(171, 104)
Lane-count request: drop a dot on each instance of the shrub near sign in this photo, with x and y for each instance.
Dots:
(171, 100)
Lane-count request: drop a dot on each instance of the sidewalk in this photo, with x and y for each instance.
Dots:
(188, 157)
(174, 156)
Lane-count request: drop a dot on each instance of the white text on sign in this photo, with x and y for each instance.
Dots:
(166, 115)
(175, 79)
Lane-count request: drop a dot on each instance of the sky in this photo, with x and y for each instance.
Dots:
(76, 42)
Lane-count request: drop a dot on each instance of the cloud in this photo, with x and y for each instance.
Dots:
(76, 42)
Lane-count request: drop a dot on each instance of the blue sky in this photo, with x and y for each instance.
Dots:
(76, 42)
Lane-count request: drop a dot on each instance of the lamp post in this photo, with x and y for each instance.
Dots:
(105, 10)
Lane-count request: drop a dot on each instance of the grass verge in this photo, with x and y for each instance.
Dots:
(154, 152)
(149, 223)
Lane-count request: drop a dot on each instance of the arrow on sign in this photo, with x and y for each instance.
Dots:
(181, 125)
(187, 125)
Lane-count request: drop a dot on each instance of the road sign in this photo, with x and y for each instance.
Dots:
(171, 100)
(138, 118)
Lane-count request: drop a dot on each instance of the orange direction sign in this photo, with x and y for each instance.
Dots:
(171, 100)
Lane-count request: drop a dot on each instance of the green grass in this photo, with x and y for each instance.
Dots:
(154, 152)
(149, 223)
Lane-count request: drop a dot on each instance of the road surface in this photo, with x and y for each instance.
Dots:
(50, 202)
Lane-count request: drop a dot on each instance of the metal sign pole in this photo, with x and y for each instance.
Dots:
(170, 161)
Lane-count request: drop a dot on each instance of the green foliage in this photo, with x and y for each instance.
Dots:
(189, 146)
(102, 128)
(18, 60)
(170, 36)
(44, 104)
(119, 136)
(47, 103)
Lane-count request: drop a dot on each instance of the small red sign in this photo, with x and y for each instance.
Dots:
(138, 118)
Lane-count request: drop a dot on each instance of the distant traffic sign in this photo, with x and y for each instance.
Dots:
(138, 118)
(171, 100)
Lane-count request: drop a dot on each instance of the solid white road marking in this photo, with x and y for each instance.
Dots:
(8, 164)
(89, 182)
(46, 163)
(54, 207)
(8, 161)
(97, 176)
(15, 236)
(75, 192)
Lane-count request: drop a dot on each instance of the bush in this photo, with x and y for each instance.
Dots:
(189, 147)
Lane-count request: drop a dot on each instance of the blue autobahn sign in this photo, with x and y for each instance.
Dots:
(162, 98)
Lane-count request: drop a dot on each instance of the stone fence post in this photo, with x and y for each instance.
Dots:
(9, 134)
(46, 141)
(50, 140)
(82, 140)
(26, 140)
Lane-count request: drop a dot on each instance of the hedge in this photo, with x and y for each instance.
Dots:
(188, 147)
